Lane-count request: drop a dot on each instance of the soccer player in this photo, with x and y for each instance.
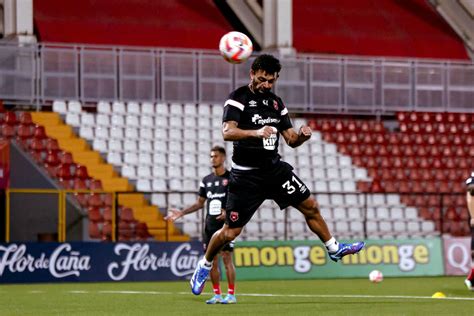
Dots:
(470, 206)
(254, 118)
(213, 188)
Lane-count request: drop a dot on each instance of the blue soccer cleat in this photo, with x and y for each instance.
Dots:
(229, 299)
(199, 277)
(346, 249)
(216, 299)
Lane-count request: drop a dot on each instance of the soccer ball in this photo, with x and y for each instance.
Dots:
(376, 276)
(235, 47)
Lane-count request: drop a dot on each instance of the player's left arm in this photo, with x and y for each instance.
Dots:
(294, 139)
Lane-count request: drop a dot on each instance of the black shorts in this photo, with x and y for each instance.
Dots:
(249, 188)
(206, 238)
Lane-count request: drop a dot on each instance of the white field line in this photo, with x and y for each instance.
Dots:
(404, 297)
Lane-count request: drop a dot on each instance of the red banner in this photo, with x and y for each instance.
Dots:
(457, 255)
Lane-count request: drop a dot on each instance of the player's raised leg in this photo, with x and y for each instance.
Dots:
(317, 224)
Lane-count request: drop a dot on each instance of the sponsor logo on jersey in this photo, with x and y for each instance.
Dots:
(252, 103)
(211, 195)
(257, 119)
(269, 143)
(234, 216)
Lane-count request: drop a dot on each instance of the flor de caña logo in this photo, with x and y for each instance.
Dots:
(87, 261)
(61, 262)
(137, 257)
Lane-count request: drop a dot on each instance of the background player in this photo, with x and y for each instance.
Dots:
(470, 206)
(213, 188)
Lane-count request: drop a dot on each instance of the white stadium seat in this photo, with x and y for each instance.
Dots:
(162, 109)
(129, 172)
(73, 119)
(74, 107)
(130, 158)
(87, 119)
(114, 158)
(176, 109)
(131, 133)
(86, 132)
(133, 108)
(132, 120)
(147, 121)
(103, 120)
(59, 106)
(103, 107)
(117, 120)
(143, 185)
(118, 107)
(116, 133)
(102, 132)
(100, 145)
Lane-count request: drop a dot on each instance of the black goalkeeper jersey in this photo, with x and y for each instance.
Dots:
(214, 189)
(252, 111)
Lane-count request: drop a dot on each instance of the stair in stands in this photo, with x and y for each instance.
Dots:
(100, 170)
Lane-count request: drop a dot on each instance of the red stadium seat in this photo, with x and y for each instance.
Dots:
(82, 198)
(8, 131)
(95, 200)
(24, 133)
(52, 144)
(94, 230)
(25, 118)
(81, 172)
(96, 185)
(94, 214)
(126, 214)
(10, 118)
(142, 231)
(108, 213)
(39, 132)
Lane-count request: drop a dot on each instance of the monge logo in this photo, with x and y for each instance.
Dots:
(137, 257)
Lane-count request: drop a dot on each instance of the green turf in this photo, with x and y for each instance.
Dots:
(343, 297)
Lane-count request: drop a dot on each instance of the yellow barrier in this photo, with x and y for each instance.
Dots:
(61, 208)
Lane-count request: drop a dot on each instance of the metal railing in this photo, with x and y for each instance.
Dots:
(41, 73)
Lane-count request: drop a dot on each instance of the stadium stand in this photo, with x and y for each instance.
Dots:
(149, 23)
(69, 160)
(377, 28)
(368, 179)
(163, 148)
(425, 160)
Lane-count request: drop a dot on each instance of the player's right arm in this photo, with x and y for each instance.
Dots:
(470, 202)
(470, 197)
(231, 132)
(174, 214)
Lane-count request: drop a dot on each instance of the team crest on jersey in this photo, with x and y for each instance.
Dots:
(225, 182)
(275, 104)
(234, 216)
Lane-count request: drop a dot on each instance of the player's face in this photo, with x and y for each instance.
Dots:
(261, 81)
(217, 159)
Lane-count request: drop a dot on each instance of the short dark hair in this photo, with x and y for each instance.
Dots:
(219, 149)
(267, 63)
